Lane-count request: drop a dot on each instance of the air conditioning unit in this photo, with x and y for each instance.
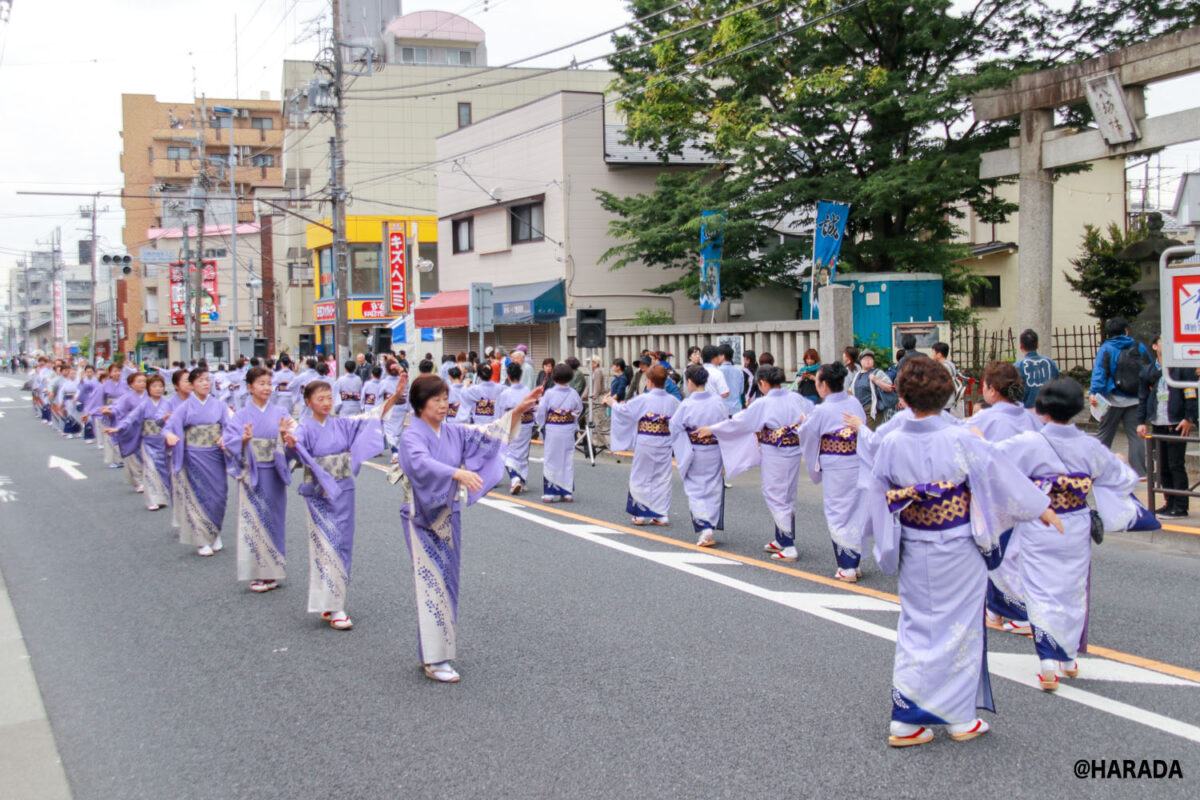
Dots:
(243, 113)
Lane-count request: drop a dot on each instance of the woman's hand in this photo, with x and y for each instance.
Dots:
(170, 439)
(530, 400)
(247, 433)
(704, 433)
(1050, 518)
(853, 421)
(110, 431)
(469, 479)
(1141, 431)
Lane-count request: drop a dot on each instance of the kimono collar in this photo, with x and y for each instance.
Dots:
(263, 407)
(836, 398)
(196, 397)
(1012, 409)
(926, 424)
(777, 392)
(1057, 431)
(657, 391)
(438, 433)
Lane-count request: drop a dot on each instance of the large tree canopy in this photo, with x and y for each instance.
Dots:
(863, 103)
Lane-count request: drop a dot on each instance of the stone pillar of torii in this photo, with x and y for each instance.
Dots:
(1113, 85)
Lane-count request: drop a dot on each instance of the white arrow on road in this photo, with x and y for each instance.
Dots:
(6, 399)
(67, 466)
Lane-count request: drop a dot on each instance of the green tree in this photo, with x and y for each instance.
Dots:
(1104, 280)
(815, 100)
(652, 316)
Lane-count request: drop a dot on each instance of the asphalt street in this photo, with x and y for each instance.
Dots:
(598, 660)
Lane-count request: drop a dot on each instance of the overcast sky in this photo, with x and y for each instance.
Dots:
(65, 63)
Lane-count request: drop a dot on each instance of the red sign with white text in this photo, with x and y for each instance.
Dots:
(325, 312)
(397, 272)
(209, 306)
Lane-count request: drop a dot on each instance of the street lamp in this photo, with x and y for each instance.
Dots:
(252, 284)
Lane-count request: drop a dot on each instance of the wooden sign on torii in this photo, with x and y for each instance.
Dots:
(1123, 130)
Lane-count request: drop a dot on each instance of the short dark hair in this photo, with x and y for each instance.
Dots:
(376, 371)
(1002, 376)
(548, 360)
(572, 362)
(312, 387)
(562, 373)
(620, 364)
(924, 385)
(766, 358)
(322, 368)
(255, 373)
(657, 375)
(514, 371)
(424, 389)
(833, 375)
(155, 378)
(942, 349)
(177, 376)
(909, 341)
(484, 371)
(1117, 326)
(447, 358)
(350, 365)
(697, 374)
(773, 375)
(1029, 340)
(708, 353)
(454, 372)
(1060, 399)
(726, 350)
(196, 373)
(128, 380)
(425, 367)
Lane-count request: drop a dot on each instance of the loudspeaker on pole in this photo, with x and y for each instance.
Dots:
(591, 327)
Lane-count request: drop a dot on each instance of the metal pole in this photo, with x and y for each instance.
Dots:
(92, 333)
(341, 267)
(198, 287)
(187, 289)
(235, 340)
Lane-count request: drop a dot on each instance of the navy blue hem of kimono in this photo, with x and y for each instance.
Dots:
(787, 539)
(513, 474)
(554, 490)
(1009, 607)
(699, 525)
(638, 510)
(1047, 646)
(846, 558)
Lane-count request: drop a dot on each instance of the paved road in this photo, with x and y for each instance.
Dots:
(598, 660)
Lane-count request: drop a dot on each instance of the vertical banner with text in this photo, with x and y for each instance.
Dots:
(827, 244)
(711, 243)
(397, 268)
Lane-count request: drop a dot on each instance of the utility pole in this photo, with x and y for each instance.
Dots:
(337, 188)
(235, 340)
(187, 284)
(92, 316)
(199, 185)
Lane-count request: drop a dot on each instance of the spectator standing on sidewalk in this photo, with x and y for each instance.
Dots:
(1036, 370)
(1167, 411)
(1116, 377)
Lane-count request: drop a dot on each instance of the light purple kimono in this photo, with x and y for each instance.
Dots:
(332, 453)
(128, 438)
(347, 395)
(198, 468)
(558, 414)
(431, 516)
(1005, 591)
(831, 454)
(699, 459)
(516, 454)
(940, 497)
(143, 427)
(479, 402)
(455, 413)
(774, 419)
(261, 471)
(643, 425)
(108, 393)
(1056, 567)
(281, 393)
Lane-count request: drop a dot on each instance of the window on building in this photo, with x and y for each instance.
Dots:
(466, 58)
(216, 252)
(464, 114)
(325, 265)
(151, 154)
(414, 55)
(365, 277)
(464, 235)
(526, 222)
(262, 123)
(179, 153)
(222, 122)
(263, 160)
(987, 296)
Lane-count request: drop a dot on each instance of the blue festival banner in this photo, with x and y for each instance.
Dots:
(827, 244)
(710, 260)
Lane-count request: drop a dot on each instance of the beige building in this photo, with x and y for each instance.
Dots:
(165, 146)
(430, 85)
(1096, 197)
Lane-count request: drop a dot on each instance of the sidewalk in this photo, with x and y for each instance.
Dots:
(29, 758)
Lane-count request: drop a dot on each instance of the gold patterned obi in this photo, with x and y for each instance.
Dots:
(780, 437)
(262, 448)
(151, 427)
(843, 442)
(68, 397)
(560, 416)
(368, 399)
(202, 435)
(336, 464)
(705, 441)
(281, 386)
(527, 417)
(350, 396)
(109, 398)
(654, 425)
(485, 407)
(934, 506)
(1067, 492)
(452, 410)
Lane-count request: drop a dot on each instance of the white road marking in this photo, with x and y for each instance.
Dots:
(68, 467)
(6, 400)
(1016, 667)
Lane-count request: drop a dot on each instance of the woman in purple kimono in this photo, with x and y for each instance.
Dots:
(516, 454)
(446, 468)
(87, 388)
(1004, 418)
(1056, 567)
(252, 438)
(774, 422)
(108, 392)
(479, 400)
(193, 433)
(643, 424)
(558, 414)
(699, 458)
(940, 497)
(183, 390)
(332, 450)
(68, 392)
(142, 426)
(129, 438)
(831, 453)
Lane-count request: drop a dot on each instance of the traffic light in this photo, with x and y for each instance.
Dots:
(122, 261)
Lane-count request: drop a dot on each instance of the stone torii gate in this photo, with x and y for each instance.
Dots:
(1113, 84)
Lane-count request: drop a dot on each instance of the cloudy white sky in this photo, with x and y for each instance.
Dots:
(65, 63)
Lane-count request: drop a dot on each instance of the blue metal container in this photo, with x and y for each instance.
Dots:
(881, 298)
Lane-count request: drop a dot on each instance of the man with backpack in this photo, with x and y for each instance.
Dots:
(1116, 378)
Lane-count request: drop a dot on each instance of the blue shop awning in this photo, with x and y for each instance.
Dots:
(525, 303)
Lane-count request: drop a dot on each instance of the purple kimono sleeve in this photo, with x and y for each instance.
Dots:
(323, 478)
(237, 463)
(736, 437)
(366, 441)
(624, 424)
(681, 444)
(174, 427)
(1000, 495)
(483, 452)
